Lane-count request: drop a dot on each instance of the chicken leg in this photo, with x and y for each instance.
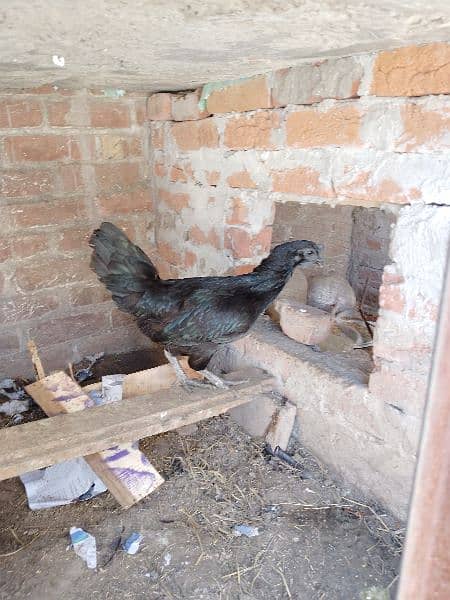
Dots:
(211, 378)
(182, 378)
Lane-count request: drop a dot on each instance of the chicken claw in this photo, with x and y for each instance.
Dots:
(218, 381)
(189, 384)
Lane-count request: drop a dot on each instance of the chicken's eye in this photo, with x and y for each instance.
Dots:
(309, 252)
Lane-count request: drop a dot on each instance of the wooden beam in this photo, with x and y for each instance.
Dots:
(151, 380)
(42, 443)
(425, 573)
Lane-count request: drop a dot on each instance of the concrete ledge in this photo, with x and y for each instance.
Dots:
(368, 444)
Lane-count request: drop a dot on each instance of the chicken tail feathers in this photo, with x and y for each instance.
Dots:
(121, 266)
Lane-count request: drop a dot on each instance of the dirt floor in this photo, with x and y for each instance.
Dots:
(315, 541)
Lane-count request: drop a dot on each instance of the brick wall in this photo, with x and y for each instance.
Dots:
(68, 161)
(317, 222)
(368, 131)
(370, 240)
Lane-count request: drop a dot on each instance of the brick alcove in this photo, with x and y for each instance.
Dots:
(366, 145)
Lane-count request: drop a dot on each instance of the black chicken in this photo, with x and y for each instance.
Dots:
(192, 316)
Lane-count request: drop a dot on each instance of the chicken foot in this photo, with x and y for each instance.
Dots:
(217, 381)
(182, 378)
(211, 378)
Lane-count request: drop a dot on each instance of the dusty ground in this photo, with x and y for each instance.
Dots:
(314, 542)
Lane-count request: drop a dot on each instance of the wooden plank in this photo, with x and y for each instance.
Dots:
(125, 471)
(425, 573)
(37, 364)
(41, 443)
(148, 381)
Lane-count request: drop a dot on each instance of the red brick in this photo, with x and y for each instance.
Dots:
(71, 177)
(241, 96)
(392, 298)
(68, 328)
(136, 200)
(20, 113)
(239, 213)
(308, 128)
(361, 189)
(241, 179)
(110, 115)
(412, 71)
(9, 341)
(167, 253)
(424, 129)
(5, 250)
(116, 147)
(239, 242)
(197, 236)
(41, 148)
(185, 107)
(251, 131)
(168, 271)
(116, 175)
(4, 117)
(190, 259)
(58, 113)
(160, 170)
(159, 107)
(212, 177)
(29, 245)
(93, 294)
(241, 269)
(128, 226)
(26, 182)
(177, 173)
(263, 240)
(177, 201)
(47, 213)
(244, 244)
(373, 244)
(156, 137)
(392, 278)
(75, 238)
(51, 89)
(194, 135)
(120, 318)
(85, 148)
(52, 272)
(140, 107)
(26, 307)
(303, 181)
